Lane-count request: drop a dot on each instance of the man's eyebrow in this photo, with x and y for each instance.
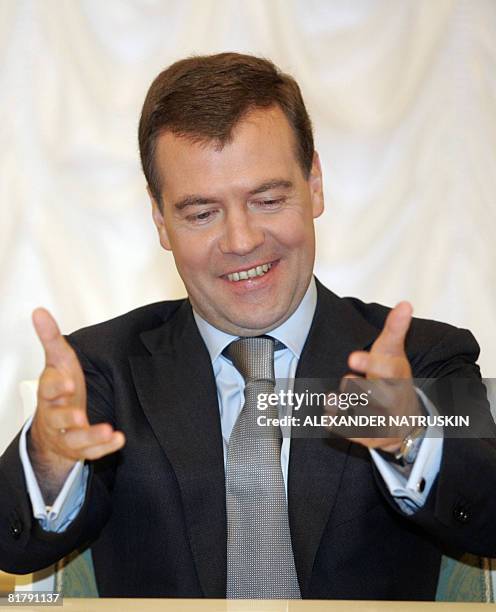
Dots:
(193, 200)
(275, 184)
(197, 200)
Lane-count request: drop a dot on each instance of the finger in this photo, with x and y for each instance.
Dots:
(391, 340)
(67, 418)
(57, 350)
(390, 445)
(350, 382)
(101, 450)
(53, 385)
(81, 438)
(359, 361)
(379, 365)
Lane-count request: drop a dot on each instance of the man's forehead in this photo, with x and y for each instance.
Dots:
(257, 122)
(261, 149)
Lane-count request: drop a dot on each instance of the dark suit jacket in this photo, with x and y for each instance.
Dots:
(155, 512)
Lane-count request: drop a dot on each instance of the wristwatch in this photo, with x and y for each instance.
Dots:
(410, 446)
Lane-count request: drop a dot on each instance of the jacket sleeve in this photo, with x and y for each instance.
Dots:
(460, 508)
(24, 546)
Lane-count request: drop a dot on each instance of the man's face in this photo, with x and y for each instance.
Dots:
(239, 222)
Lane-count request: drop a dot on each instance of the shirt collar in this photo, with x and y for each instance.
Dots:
(293, 332)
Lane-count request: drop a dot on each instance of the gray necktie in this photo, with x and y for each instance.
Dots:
(260, 561)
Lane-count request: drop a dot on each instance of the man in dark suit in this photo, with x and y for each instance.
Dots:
(130, 449)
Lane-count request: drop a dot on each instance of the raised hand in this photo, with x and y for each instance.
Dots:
(387, 357)
(60, 433)
(388, 365)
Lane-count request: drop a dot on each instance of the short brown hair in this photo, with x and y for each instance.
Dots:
(204, 97)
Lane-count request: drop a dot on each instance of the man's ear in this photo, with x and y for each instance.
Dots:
(158, 219)
(316, 187)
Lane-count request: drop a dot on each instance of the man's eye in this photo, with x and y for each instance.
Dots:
(202, 217)
(270, 204)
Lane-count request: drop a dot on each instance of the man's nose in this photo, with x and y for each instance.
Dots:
(241, 235)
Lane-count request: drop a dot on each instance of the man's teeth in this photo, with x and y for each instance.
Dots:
(251, 273)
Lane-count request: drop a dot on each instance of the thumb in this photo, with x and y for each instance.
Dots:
(391, 340)
(57, 350)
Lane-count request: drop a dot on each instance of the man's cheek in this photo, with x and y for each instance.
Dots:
(190, 256)
(295, 238)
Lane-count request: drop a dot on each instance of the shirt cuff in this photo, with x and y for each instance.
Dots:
(68, 502)
(411, 492)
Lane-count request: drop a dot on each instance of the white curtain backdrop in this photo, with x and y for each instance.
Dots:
(402, 94)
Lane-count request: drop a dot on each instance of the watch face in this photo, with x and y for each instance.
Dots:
(413, 443)
(410, 446)
(410, 452)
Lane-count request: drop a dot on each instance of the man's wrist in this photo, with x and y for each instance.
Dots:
(50, 470)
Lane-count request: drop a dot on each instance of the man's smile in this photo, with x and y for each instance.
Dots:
(247, 273)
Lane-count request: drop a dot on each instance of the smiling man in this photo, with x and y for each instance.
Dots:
(239, 221)
(144, 443)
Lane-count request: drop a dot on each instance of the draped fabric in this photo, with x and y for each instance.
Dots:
(402, 95)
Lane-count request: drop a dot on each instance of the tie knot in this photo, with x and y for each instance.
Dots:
(253, 357)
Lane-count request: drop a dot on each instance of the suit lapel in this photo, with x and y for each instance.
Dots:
(176, 387)
(317, 464)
